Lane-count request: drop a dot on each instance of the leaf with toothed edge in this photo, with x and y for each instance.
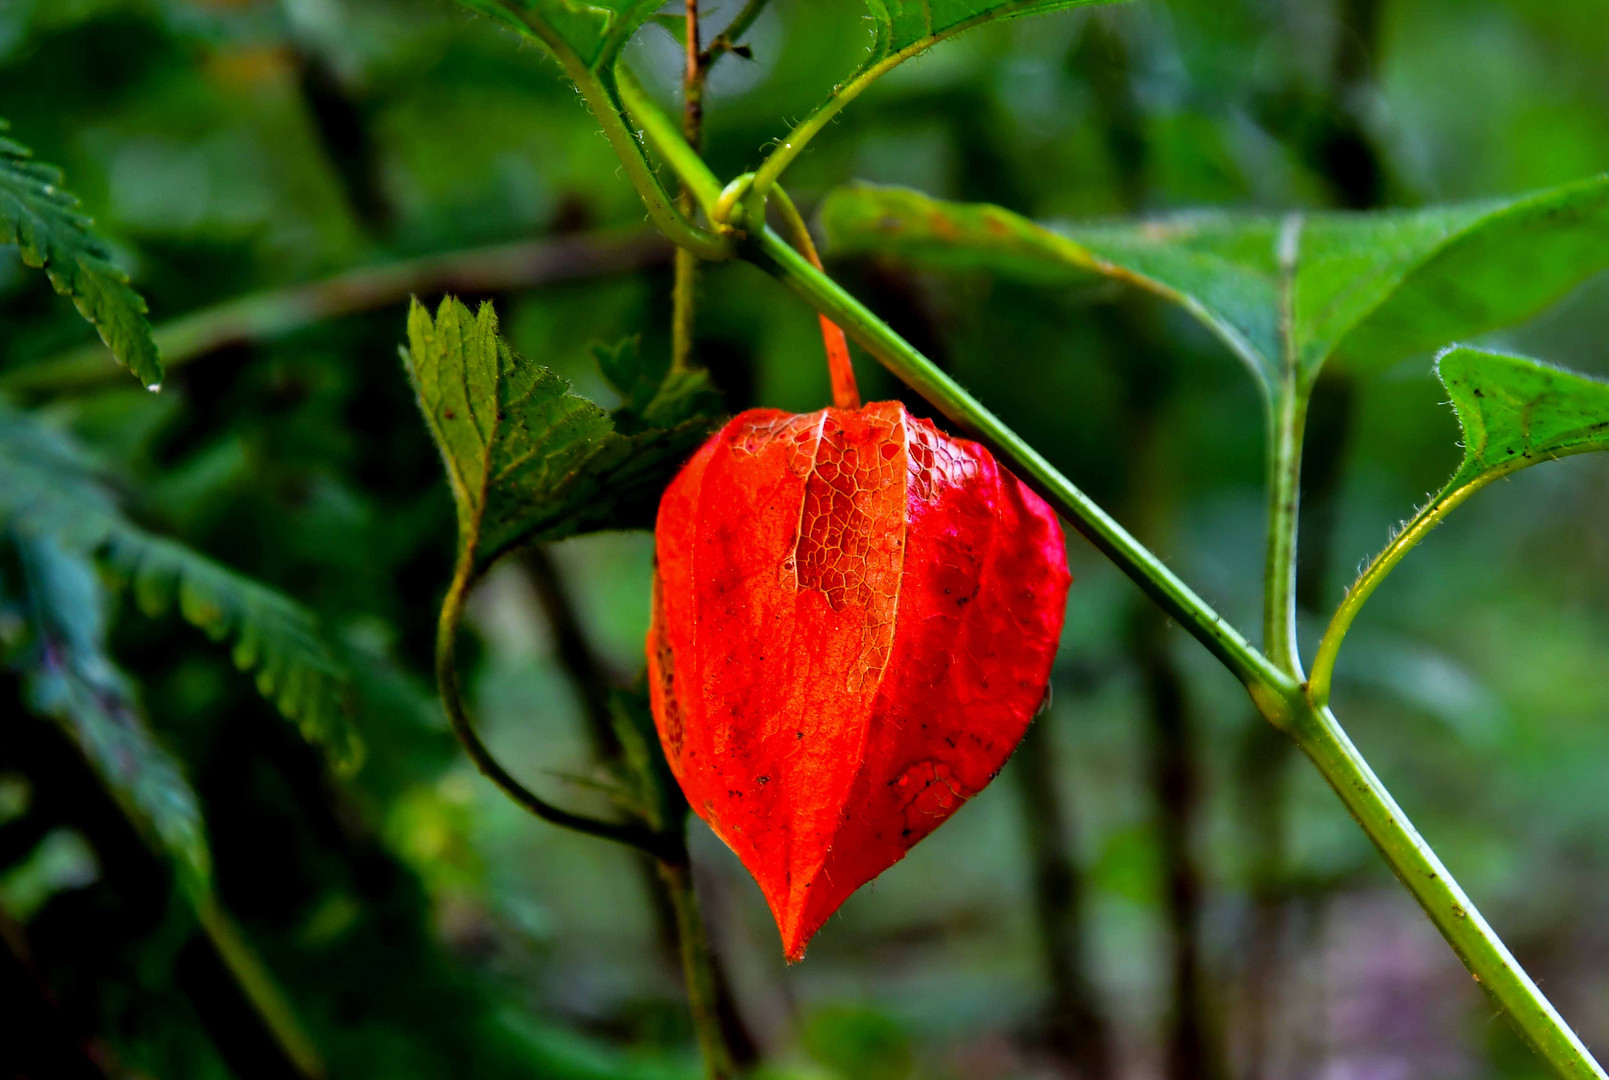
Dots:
(529, 460)
(67, 676)
(43, 220)
(48, 489)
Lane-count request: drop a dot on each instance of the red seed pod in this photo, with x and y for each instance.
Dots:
(854, 621)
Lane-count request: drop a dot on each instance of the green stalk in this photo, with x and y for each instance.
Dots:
(1289, 419)
(1322, 739)
(602, 90)
(1286, 431)
(258, 984)
(452, 614)
(1405, 541)
(1265, 681)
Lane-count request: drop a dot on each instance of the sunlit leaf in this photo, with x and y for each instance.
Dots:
(44, 222)
(529, 460)
(1369, 288)
(48, 490)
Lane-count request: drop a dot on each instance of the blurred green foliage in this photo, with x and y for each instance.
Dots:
(420, 926)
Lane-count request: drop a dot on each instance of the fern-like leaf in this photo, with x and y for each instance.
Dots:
(44, 222)
(48, 489)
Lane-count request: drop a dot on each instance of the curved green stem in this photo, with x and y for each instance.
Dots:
(666, 138)
(1330, 646)
(1322, 739)
(452, 614)
(602, 89)
(1265, 681)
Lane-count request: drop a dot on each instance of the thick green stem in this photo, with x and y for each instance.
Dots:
(1321, 738)
(698, 968)
(1289, 419)
(1286, 430)
(1260, 677)
(452, 614)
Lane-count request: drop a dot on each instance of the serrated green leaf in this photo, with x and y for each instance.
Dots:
(652, 394)
(43, 220)
(47, 489)
(530, 461)
(68, 676)
(1369, 288)
(1517, 412)
(591, 33)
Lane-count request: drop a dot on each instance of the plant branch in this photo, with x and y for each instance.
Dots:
(452, 614)
(727, 40)
(1268, 685)
(684, 300)
(1287, 424)
(602, 90)
(275, 312)
(1405, 541)
(665, 136)
(1322, 739)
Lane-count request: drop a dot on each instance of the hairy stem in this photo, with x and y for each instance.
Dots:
(452, 614)
(697, 968)
(1416, 530)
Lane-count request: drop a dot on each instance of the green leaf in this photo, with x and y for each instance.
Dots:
(1369, 288)
(44, 222)
(48, 490)
(909, 26)
(530, 461)
(589, 33)
(67, 675)
(1516, 413)
(652, 394)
